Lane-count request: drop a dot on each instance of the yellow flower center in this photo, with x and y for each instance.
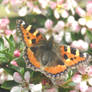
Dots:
(59, 7)
(84, 76)
(88, 18)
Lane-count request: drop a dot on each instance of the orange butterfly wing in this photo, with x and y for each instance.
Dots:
(72, 56)
(69, 56)
(30, 35)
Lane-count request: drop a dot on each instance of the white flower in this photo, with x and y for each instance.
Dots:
(25, 85)
(64, 14)
(56, 14)
(68, 37)
(36, 10)
(83, 86)
(59, 26)
(48, 24)
(58, 37)
(44, 3)
(80, 44)
(36, 88)
(22, 11)
(89, 24)
(82, 21)
(70, 19)
(83, 30)
(4, 76)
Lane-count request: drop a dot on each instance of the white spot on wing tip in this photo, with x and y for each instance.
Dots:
(85, 54)
(23, 23)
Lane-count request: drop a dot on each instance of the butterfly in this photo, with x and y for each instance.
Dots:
(46, 56)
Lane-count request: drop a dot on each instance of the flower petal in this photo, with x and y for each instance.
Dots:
(17, 77)
(36, 88)
(16, 89)
(77, 78)
(83, 86)
(90, 81)
(89, 89)
(27, 76)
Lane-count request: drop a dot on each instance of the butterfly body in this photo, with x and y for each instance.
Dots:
(47, 56)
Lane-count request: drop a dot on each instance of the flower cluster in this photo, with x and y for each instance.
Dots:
(83, 80)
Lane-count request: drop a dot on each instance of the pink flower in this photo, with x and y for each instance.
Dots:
(24, 83)
(14, 63)
(59, 26)
(64, 13)
(75, 26)
(30, 5)
(8, 32)
(17, 53)
(90, 45)
(89, 7)
(52, 5)
(76, 78)
(17, 77)
(80, 44)
(73, 91)
(16, 2)
(80, 11)
(5, 1)
(89, 89)
(4, 22)
(83, 78)
(48, 24)
(4, 76)
(60, 2)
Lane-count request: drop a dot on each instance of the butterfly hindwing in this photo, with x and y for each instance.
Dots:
(72, 56)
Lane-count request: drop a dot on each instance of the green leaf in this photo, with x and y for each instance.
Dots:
(9, 84)
(9, 70)
(22, 70)
(1, 44)
(11, 43)
(89, 34)
(72, 84)
(76, 36)
(64, 89)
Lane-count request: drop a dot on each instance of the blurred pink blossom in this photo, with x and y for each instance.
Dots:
(17, 53)
(73, 91)
(89, 89)
(17, 77)
(8, 32)
(4, 76)
(89, 7)
(16, 2)
(90, 45)
(14, 63)
(52, 5)
(80, 11)
(59, 26)
(4, 22)
(83, 78)
(80, 44)
(48, 24)
(24, 83)
(5, 1)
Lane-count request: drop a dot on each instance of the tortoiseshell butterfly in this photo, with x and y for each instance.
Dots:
(47, 56)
